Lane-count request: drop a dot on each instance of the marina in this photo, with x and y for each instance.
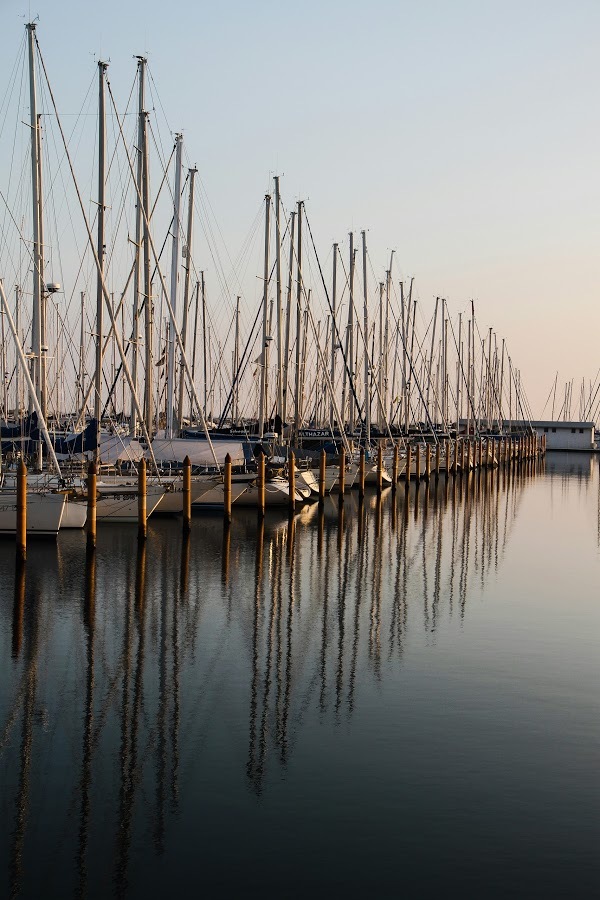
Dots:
(298, 573)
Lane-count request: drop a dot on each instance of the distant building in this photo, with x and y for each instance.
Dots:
(567, 435)
(559, 435)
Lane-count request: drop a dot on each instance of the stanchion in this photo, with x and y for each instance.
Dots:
(187, 495)
(261, 485)
(342, 477)
(322, 467)
(21, 528)
(292, 482)
(227, 489)
(395, 468)
(92, 498)
(142, 505)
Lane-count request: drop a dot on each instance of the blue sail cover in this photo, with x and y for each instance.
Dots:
(78, 443)
(24, 436)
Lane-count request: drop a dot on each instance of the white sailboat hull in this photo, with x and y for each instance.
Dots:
(119, 503)
(44, 513)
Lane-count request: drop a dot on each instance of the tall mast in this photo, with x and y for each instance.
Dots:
(298, 321)
(437, 300)
(36, 338)
(288, 315)
(444, 365)
(351, 332)
(148, 299)
(404, 352)
(43, 294)
(135, 338)
(263, 356)
(303, 357)
(102, 66)
(394, 368)
(500, 392)
(348, 368)
(4, 378)
(489, 379)
(366, 341)
(412, 344)
(174, 282)
(458, 373)
(381, 417)
(186, 292)
(278, 300)
(236, 362)
(333, 332)
(469, 397)
(80, 378)
(193, 371)
(204, 350)
(473, 363)
(18, 404)
(386, 337)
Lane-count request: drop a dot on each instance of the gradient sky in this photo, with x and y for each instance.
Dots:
(465, 135)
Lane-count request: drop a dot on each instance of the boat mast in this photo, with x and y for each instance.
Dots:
(350, 355)
(18, 390)
(386, 341)
(36, 335)
(32, 392)
(333, 331)
(469, 397)
(148, 299)
(236, 362)
(288, 314)
(411, 357)
(80, 375)
(174, 282)
(404, 317)
(43, 294)
(298, 320)
(4, 378)
(186, 291)
(366, 343)
(263, 351)
(102, 67)
(135, 338)
(381, 417)
(437, 300)
(278, 300)
(501, 391)
(204, 348)
(195, 341)
(458, 373)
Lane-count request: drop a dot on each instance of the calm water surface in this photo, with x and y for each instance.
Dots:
(402, 699)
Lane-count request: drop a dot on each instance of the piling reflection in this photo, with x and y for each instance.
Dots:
(289, 619)
(18, 608)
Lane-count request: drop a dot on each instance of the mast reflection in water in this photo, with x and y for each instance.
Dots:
(364, 696)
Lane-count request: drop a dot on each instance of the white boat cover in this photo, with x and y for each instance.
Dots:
(114, 448)
(175, 451)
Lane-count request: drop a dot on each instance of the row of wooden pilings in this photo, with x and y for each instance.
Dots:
(142, 493)
(452, 457)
